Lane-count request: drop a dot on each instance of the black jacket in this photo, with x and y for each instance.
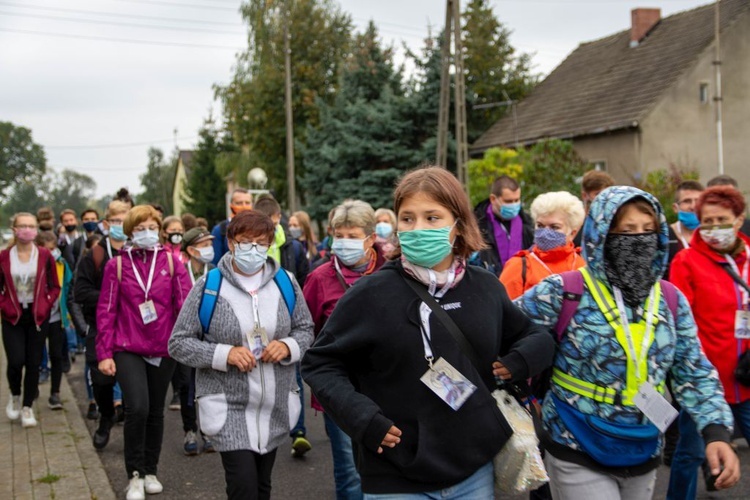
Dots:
(366, 364)
(88, 279)
(294, 259)
(489, 257)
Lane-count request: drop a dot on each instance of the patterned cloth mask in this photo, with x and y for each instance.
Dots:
(719, 237)
(547, 239)
(627, 263)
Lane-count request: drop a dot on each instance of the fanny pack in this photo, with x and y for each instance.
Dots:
(611, 444)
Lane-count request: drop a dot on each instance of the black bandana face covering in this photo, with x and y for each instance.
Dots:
(627, 263)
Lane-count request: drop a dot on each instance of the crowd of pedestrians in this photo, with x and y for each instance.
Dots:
(627, 335)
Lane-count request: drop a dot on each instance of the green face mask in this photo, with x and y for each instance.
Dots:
(426, 247)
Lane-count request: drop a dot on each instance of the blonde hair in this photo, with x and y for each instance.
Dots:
(117, 207)
(354, 213)
(386, 211)
(559, 202)
(138, 214)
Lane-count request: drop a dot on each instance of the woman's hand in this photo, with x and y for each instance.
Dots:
(275, 352)
(107, 367)
(720, 453)
(499, 370)
(242, 358)
(391, 439)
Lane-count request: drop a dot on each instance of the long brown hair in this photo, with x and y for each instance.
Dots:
(443, 187)
(303, 219)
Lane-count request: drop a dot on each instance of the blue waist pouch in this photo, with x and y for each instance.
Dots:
(611, 444)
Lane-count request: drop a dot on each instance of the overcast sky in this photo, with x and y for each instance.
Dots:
(97, 88)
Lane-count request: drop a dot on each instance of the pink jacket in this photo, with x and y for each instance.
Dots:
(119, 319)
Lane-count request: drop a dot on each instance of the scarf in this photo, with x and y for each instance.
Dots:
(507, 245)
(422, 274)
(628, 260)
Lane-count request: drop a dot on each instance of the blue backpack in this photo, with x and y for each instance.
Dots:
(212, 285)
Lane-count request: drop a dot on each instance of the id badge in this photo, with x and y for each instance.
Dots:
(448, 383)
(742, 325)
(148, 312)
(656, 408)
(258, 341)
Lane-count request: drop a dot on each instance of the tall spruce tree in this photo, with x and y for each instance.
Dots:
(363, 142)
(204, 189)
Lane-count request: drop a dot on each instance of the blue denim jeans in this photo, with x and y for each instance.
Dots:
(348, 484)
(479, 485)
(117, 393)
(690, 452)
(73, 339)
(299, 427)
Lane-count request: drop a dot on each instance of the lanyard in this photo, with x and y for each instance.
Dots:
(680, 235)
(256, 312)
(425, 311)
(632, 355)
(190, 271)
(743, 295)
(150, 272)
(572, 266)
(109, 249)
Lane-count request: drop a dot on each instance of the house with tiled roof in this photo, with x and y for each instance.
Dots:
(181, 175)
(644, 98)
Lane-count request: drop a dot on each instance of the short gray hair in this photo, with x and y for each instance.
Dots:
(559, 202)
(354, 213)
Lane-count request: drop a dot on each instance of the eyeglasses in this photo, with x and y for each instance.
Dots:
(246, 246)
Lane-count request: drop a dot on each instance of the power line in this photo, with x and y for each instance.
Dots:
(129, 16)
(112, 23)
(124, 145)
(121, 40)
(181, 5)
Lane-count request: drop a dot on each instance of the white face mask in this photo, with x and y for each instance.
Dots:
(146, 238)
(56, 253)
(206, 254)
(719, 237)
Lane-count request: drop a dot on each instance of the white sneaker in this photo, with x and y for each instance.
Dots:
(27, 417)
(135, 488)
(13, 410)
(153, 486)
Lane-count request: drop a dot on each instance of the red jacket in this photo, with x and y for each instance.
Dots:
(713, 297)
(46, 288)
(119, 318)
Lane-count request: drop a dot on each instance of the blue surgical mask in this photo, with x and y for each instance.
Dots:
(116, 232)
(688, 219)
(510, 210)
(250, 261)
(146, 238)
(426, 247)
(384, 229)
(348, 250)
(206, 254)
(295, 232)
(90, 226)
(546, 239)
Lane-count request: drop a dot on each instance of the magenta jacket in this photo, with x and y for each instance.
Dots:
(46, 288)
(119, 319)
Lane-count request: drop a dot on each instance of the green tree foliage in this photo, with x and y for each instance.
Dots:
(58, 190)
(158, 180)
(550, 165)
(205, 186)
(254, 100)
(22, 161)
(492, 67)
(662, 183)
(362, 144)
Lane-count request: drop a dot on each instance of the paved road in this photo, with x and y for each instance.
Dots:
(202, 477)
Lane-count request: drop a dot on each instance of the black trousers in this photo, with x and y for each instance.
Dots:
(144, 388)
(24, 344)
(56, 339)
(184, 375)
(248, 474)
(102, 385)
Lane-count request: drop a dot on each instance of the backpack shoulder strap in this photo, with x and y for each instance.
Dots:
(282, 280)
(119, 268)
(170, 259)
(524, 266)
(669, 291)
(572, 293)
(210, 294)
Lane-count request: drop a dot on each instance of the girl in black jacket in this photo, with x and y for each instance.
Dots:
(418, 410)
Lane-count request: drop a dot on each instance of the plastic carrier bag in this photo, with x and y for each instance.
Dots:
(518, 466)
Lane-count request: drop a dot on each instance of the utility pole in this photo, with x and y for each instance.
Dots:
(290, 177)
(718, 95)
(441, 155)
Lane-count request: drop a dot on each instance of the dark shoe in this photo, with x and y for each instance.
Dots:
(175, 403)
(72, 355)
(65, 364)
(101, 436)
(54, 402)
(208, 446)
(119, 414)
(93, 412)
(190, 444)
(43, 376)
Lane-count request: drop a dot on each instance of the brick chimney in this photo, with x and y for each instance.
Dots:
(642, 21)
